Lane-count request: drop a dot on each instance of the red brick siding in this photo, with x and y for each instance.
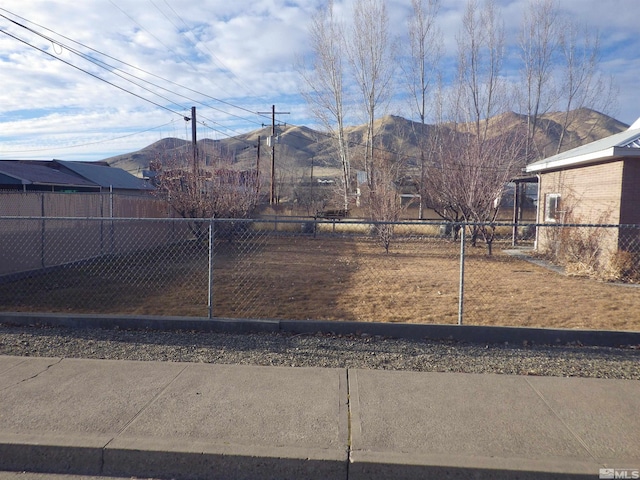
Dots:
(630, 206)
(630, 199)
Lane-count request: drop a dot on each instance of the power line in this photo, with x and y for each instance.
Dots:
(103, 65)
(225, 69)
(91, 74)
(147, 31)
(112, 69)
(95, 61)
(90, 143)
(179, 56)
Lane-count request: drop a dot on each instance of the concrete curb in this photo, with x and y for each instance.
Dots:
(39, 456)
(144, 460)
(206, 462)
(462, 333)
(470, 333)
(235, 463)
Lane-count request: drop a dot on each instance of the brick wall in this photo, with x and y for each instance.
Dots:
(589, 194)
(630, 209)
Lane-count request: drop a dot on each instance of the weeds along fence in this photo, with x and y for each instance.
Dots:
(324, 270)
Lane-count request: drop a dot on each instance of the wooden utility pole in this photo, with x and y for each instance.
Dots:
(194, 141)
(258, 172)
(312, 159)
(273, 150)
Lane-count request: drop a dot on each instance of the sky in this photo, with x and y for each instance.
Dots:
(229, 59)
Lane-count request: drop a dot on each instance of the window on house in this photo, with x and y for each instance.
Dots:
(552, 207)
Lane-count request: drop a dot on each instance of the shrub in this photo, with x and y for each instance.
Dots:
(624, 266)
(580, 249)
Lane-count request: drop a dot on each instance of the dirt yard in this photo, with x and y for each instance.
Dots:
(334, 278)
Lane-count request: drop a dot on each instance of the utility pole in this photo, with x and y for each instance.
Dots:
(273, 149)
(194, 141)
(258, 172)
(312, 204)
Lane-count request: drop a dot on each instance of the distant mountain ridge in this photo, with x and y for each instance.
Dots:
(299, 147)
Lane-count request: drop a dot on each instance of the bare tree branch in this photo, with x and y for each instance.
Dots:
(212, 190)
(324, 84)
(421, 72)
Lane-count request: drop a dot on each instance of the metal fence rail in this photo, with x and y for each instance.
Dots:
(577, 276)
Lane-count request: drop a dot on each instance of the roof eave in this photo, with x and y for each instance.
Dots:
(605, 155)
(63, 185)
(22, 180)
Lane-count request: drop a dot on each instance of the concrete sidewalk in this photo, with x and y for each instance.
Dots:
(179, 420)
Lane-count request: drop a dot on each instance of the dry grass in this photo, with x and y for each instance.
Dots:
(334, 278)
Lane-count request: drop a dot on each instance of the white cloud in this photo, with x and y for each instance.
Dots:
(241, 52)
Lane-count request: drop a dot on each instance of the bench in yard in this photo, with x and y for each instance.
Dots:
(332, 214)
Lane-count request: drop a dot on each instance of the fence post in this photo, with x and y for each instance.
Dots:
(210, 285)
(42, 233)
(461, 289)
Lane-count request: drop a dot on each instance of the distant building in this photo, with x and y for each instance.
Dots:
(68, 177)
(33, 176)
(59, 188)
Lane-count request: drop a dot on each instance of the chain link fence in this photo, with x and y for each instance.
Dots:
(572, 276)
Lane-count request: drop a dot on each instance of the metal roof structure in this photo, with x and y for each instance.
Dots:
(621, 145)
(18, 172)
(105, 177)
(59, 174)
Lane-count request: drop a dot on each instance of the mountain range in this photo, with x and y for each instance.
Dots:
(299, 148)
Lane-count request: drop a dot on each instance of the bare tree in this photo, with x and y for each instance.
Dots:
(481, 91)
(425, 46)
(539, 44)
(233, 192)
(465, 186)
(181, 183)
(582, 83)
(560, 70)
(324, 84)
(476, 151)
(372, 55)
(196, 191)
(312, 197)
(444, 189)
(386, 206)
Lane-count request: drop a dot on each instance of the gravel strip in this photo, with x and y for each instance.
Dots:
(321, 350)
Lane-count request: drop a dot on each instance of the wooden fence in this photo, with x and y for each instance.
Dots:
(58, 204)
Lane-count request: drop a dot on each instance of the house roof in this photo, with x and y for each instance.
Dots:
(617, 146)
(29, 173)
(105, 176)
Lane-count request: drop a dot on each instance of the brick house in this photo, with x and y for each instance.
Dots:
(596, 183)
